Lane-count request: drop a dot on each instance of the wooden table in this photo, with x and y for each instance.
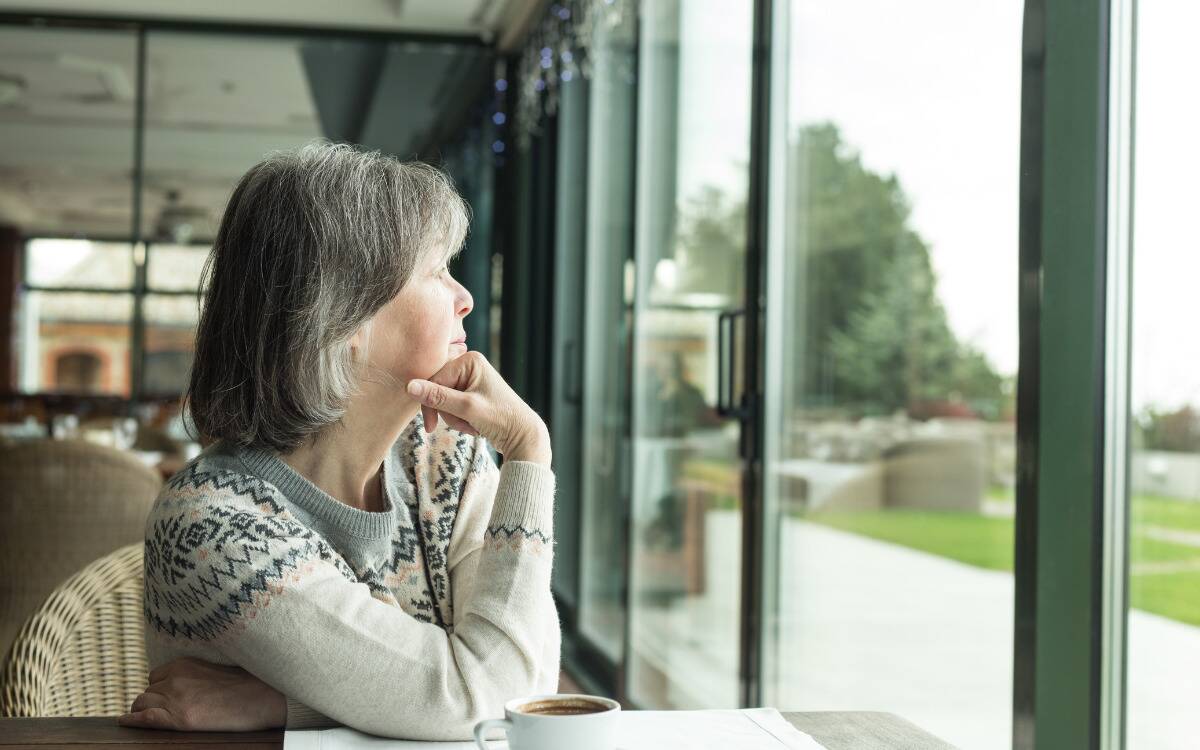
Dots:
(836, 730)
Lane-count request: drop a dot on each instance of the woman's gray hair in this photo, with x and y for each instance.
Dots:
(312, 244)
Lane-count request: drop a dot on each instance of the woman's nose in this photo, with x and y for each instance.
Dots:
(464, 301)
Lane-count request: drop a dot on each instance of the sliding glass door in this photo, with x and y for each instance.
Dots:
(891, 357)
(607, 324)
(693, 135)
(1163, 498)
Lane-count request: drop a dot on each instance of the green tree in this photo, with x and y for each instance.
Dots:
(895, 348)
(871, 335)
(1177, 430)
(712, 234)
(879, 338)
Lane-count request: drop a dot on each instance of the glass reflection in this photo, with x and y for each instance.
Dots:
(693, 146)
(1164, 506)
(891, 360)
(606, 339)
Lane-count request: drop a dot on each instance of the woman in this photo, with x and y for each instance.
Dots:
(347, 551)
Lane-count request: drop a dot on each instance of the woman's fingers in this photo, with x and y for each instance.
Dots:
(469, 388)
(196, 695)
(147, 700)
(151, 718)
(460, 424)
(429, 416)
(443, 399)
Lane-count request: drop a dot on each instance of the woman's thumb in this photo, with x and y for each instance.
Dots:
(440, 397)
(419, 389)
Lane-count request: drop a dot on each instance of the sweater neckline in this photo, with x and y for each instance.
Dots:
(320, 504)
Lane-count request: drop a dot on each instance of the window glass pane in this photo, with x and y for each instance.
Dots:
(175, 267)
(564, 416)
(66, 131)
(693, 149)
(171, 321)
(604, 473)
(79, 263)
(74, 342)
(891, 362)
(1164, 544)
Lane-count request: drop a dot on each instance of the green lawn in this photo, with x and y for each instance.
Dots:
(1172, 590)
(1165, 511)
(966, 537)
(1173, 595)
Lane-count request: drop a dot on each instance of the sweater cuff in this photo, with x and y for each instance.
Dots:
(300, 716)
(524, 500)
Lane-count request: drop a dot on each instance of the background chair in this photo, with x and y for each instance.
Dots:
(82, 652)
(63, 504)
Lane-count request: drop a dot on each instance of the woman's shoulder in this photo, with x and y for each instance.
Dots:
(217, 479)
(219, 542)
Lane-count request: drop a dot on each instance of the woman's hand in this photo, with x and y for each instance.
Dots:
(472, 397)
(193, 695)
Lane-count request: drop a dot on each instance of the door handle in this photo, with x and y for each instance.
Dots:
(728, 401)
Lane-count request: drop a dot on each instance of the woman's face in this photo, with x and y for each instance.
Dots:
(421, 329)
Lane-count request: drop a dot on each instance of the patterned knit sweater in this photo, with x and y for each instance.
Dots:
(412, 622)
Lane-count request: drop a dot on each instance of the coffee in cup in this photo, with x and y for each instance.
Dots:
(553, 722)
(563, 705)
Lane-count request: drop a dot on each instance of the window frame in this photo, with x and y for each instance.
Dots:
(1072, 423)
(140, 255)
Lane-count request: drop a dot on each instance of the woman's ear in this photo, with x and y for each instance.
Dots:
(358, 342)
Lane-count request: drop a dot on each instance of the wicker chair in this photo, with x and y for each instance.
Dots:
(82, 652)
(63, 504)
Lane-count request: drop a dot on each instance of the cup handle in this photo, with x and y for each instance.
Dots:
(487, 724)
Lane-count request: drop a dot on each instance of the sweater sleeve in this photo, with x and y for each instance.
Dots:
(270, 598)
(474, 526)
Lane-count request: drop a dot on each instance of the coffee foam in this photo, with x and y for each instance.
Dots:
(563, 707)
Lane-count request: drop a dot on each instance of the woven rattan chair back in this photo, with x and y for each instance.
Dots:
(82, 652)
(63, 504)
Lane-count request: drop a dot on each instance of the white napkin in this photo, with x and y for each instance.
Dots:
(746, 729)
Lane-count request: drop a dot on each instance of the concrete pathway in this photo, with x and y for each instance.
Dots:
(870, 626)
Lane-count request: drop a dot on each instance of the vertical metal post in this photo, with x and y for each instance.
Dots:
(1063, 397)
(138, 333)
(1118, 360)
(752, 428)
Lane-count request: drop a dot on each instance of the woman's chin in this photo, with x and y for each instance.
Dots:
(457, 349)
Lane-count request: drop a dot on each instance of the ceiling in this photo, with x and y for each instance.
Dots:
(491, 19)
(215, 104)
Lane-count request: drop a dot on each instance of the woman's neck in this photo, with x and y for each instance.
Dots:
(346, 459)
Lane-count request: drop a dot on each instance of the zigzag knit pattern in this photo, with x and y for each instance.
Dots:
(508, 532)
(220, 543)
(206, 562)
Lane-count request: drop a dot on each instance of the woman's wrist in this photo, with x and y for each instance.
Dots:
(534, 448)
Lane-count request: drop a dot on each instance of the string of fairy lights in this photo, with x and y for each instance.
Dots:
(563, 47)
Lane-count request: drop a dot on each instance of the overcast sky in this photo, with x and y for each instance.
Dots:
(931, 91)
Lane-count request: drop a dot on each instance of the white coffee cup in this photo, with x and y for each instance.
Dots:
(554, 722)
